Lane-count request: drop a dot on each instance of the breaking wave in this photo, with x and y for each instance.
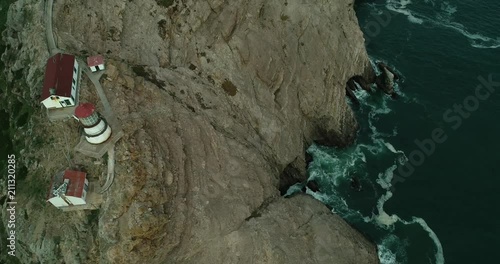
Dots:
(333, 170)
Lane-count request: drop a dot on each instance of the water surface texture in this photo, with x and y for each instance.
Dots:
(422, 200)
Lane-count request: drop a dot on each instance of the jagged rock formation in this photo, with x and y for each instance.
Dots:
(218, 100)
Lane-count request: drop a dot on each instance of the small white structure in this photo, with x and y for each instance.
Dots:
(95, 128)
(68, 188)
(96, 63)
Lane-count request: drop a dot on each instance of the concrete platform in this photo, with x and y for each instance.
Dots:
(94, 200)
(97, 151)
(57, 114)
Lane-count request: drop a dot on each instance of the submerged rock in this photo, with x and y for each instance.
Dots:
(313, 186)
(355, 184)
(385, 81)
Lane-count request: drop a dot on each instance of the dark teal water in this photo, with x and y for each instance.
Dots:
(445, 209)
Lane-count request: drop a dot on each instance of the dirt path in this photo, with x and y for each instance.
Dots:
(51, 43)
(111, 170)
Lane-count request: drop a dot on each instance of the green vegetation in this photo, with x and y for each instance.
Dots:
(28, 16)
(141, 70)
(229, 87)
(93, 217)
(34, 186)
(17, 109)
(16, 105)
(5, 147)
(165, 3)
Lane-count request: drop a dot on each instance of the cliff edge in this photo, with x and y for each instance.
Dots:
(218, 101)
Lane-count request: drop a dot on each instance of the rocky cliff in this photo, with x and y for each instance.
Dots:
(218, 101)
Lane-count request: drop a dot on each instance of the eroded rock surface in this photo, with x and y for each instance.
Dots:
(217, 100)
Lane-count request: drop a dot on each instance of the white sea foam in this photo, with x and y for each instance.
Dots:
(443, 19)
(439, 255)
(477, 40)
(388, 256)
(391, 147)
(391, 249)
(480, 46)
(363, 157)
(384, 180)
(448, 8)
(293, 189)
(384, 220)
(401, 7)
(430, 1)
(362, 95)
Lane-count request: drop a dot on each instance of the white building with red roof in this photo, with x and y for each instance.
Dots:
(95, 128)
(96, 63)
(61, 83)
(68, 188)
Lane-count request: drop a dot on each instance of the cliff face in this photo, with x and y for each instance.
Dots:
(218, 100)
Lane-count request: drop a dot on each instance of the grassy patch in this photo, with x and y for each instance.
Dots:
(162, 28)
(93, 217)
(229, 87)
(34, 188)
(141, 70)
(165, 3)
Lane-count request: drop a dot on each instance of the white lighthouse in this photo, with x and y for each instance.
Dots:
(96, 129)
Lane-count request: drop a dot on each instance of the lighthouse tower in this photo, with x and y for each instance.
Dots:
(96, 129)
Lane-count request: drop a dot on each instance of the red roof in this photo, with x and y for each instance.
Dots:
(84, 110)
(75, 186)
(95, 60)
(76, 182)
(58, 75)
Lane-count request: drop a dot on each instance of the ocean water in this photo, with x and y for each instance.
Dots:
(427, 162)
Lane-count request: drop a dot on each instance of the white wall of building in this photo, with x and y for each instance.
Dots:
(96, 129)
(75, 80)
(94, 68)
(101, 138)
(76, 200)
(57, 201)
(56, 103)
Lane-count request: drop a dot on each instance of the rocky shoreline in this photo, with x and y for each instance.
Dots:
(218, 102)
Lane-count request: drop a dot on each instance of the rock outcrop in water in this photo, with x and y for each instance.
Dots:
(218, 101)
(385, 81)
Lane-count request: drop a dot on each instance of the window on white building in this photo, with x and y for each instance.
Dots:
(91, 120)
